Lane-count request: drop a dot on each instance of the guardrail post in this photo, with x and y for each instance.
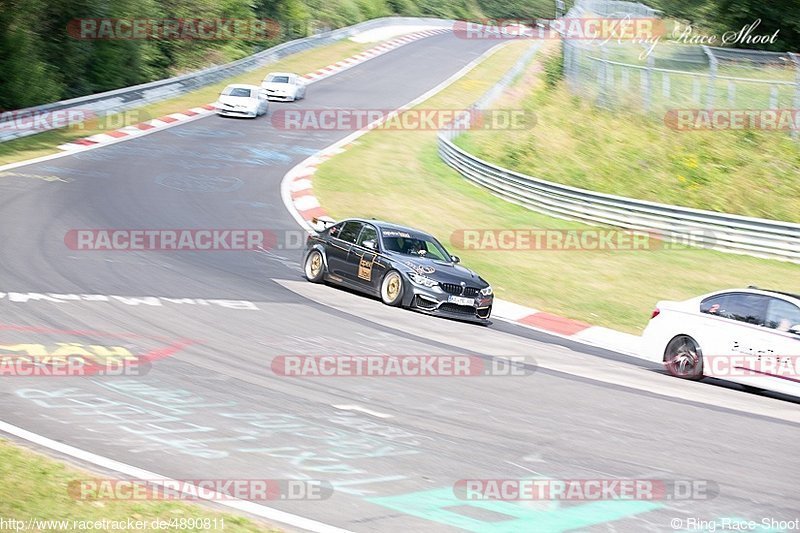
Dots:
(712, 77)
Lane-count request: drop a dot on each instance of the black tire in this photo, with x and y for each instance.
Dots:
(683, 358)
(392, 288)
(314, 267)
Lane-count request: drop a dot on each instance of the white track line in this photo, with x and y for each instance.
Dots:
(222, 499)
(351, 407)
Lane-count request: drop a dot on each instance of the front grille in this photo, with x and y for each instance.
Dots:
(457, 309)
(452, 288)
(458, 290)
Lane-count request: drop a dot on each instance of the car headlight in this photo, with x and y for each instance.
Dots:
(425, 281)
(487, 291)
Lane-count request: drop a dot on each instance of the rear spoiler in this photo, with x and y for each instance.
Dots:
(322, 223)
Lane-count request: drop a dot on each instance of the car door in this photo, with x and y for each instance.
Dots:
(362, 259)
(738, 335)
(342, 237)
(781, 369)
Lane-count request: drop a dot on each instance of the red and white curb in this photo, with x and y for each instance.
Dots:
(138, 129)
(381, 49)
(173, 119)
(298, 195)
(567, 328)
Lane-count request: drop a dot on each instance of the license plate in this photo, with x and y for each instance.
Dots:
(461, 300)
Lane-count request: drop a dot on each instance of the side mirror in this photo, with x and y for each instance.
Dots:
(795, 329)
(371, 244)
(455, 259)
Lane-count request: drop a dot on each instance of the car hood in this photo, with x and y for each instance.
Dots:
(440, 271)
(233, 101)
(271, 86)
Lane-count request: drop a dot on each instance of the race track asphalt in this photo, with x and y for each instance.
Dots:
(391, 448)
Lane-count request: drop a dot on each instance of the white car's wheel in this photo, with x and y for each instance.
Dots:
(683, 358)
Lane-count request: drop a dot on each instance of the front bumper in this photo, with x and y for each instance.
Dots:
(236, 112)
(437, 302)
(280, 97)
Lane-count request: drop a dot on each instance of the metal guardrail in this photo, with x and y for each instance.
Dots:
(137, 95)
(678, 225)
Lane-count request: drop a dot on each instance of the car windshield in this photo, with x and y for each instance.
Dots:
(237, 91)
(414, 245)
(278, 79)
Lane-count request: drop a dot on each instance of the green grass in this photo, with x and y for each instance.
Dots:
(398, 176)
(752, 173)
(46, 143)
(36, 487)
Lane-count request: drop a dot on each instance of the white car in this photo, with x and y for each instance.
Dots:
(748, 336)
(284, 86)
(239, 100)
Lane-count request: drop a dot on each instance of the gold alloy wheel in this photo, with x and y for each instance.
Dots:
(392, 289)
(316, 264)
(314, 267)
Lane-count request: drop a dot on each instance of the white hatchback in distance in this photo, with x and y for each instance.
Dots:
(284, 86)
(748, 336)
(240, 100)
